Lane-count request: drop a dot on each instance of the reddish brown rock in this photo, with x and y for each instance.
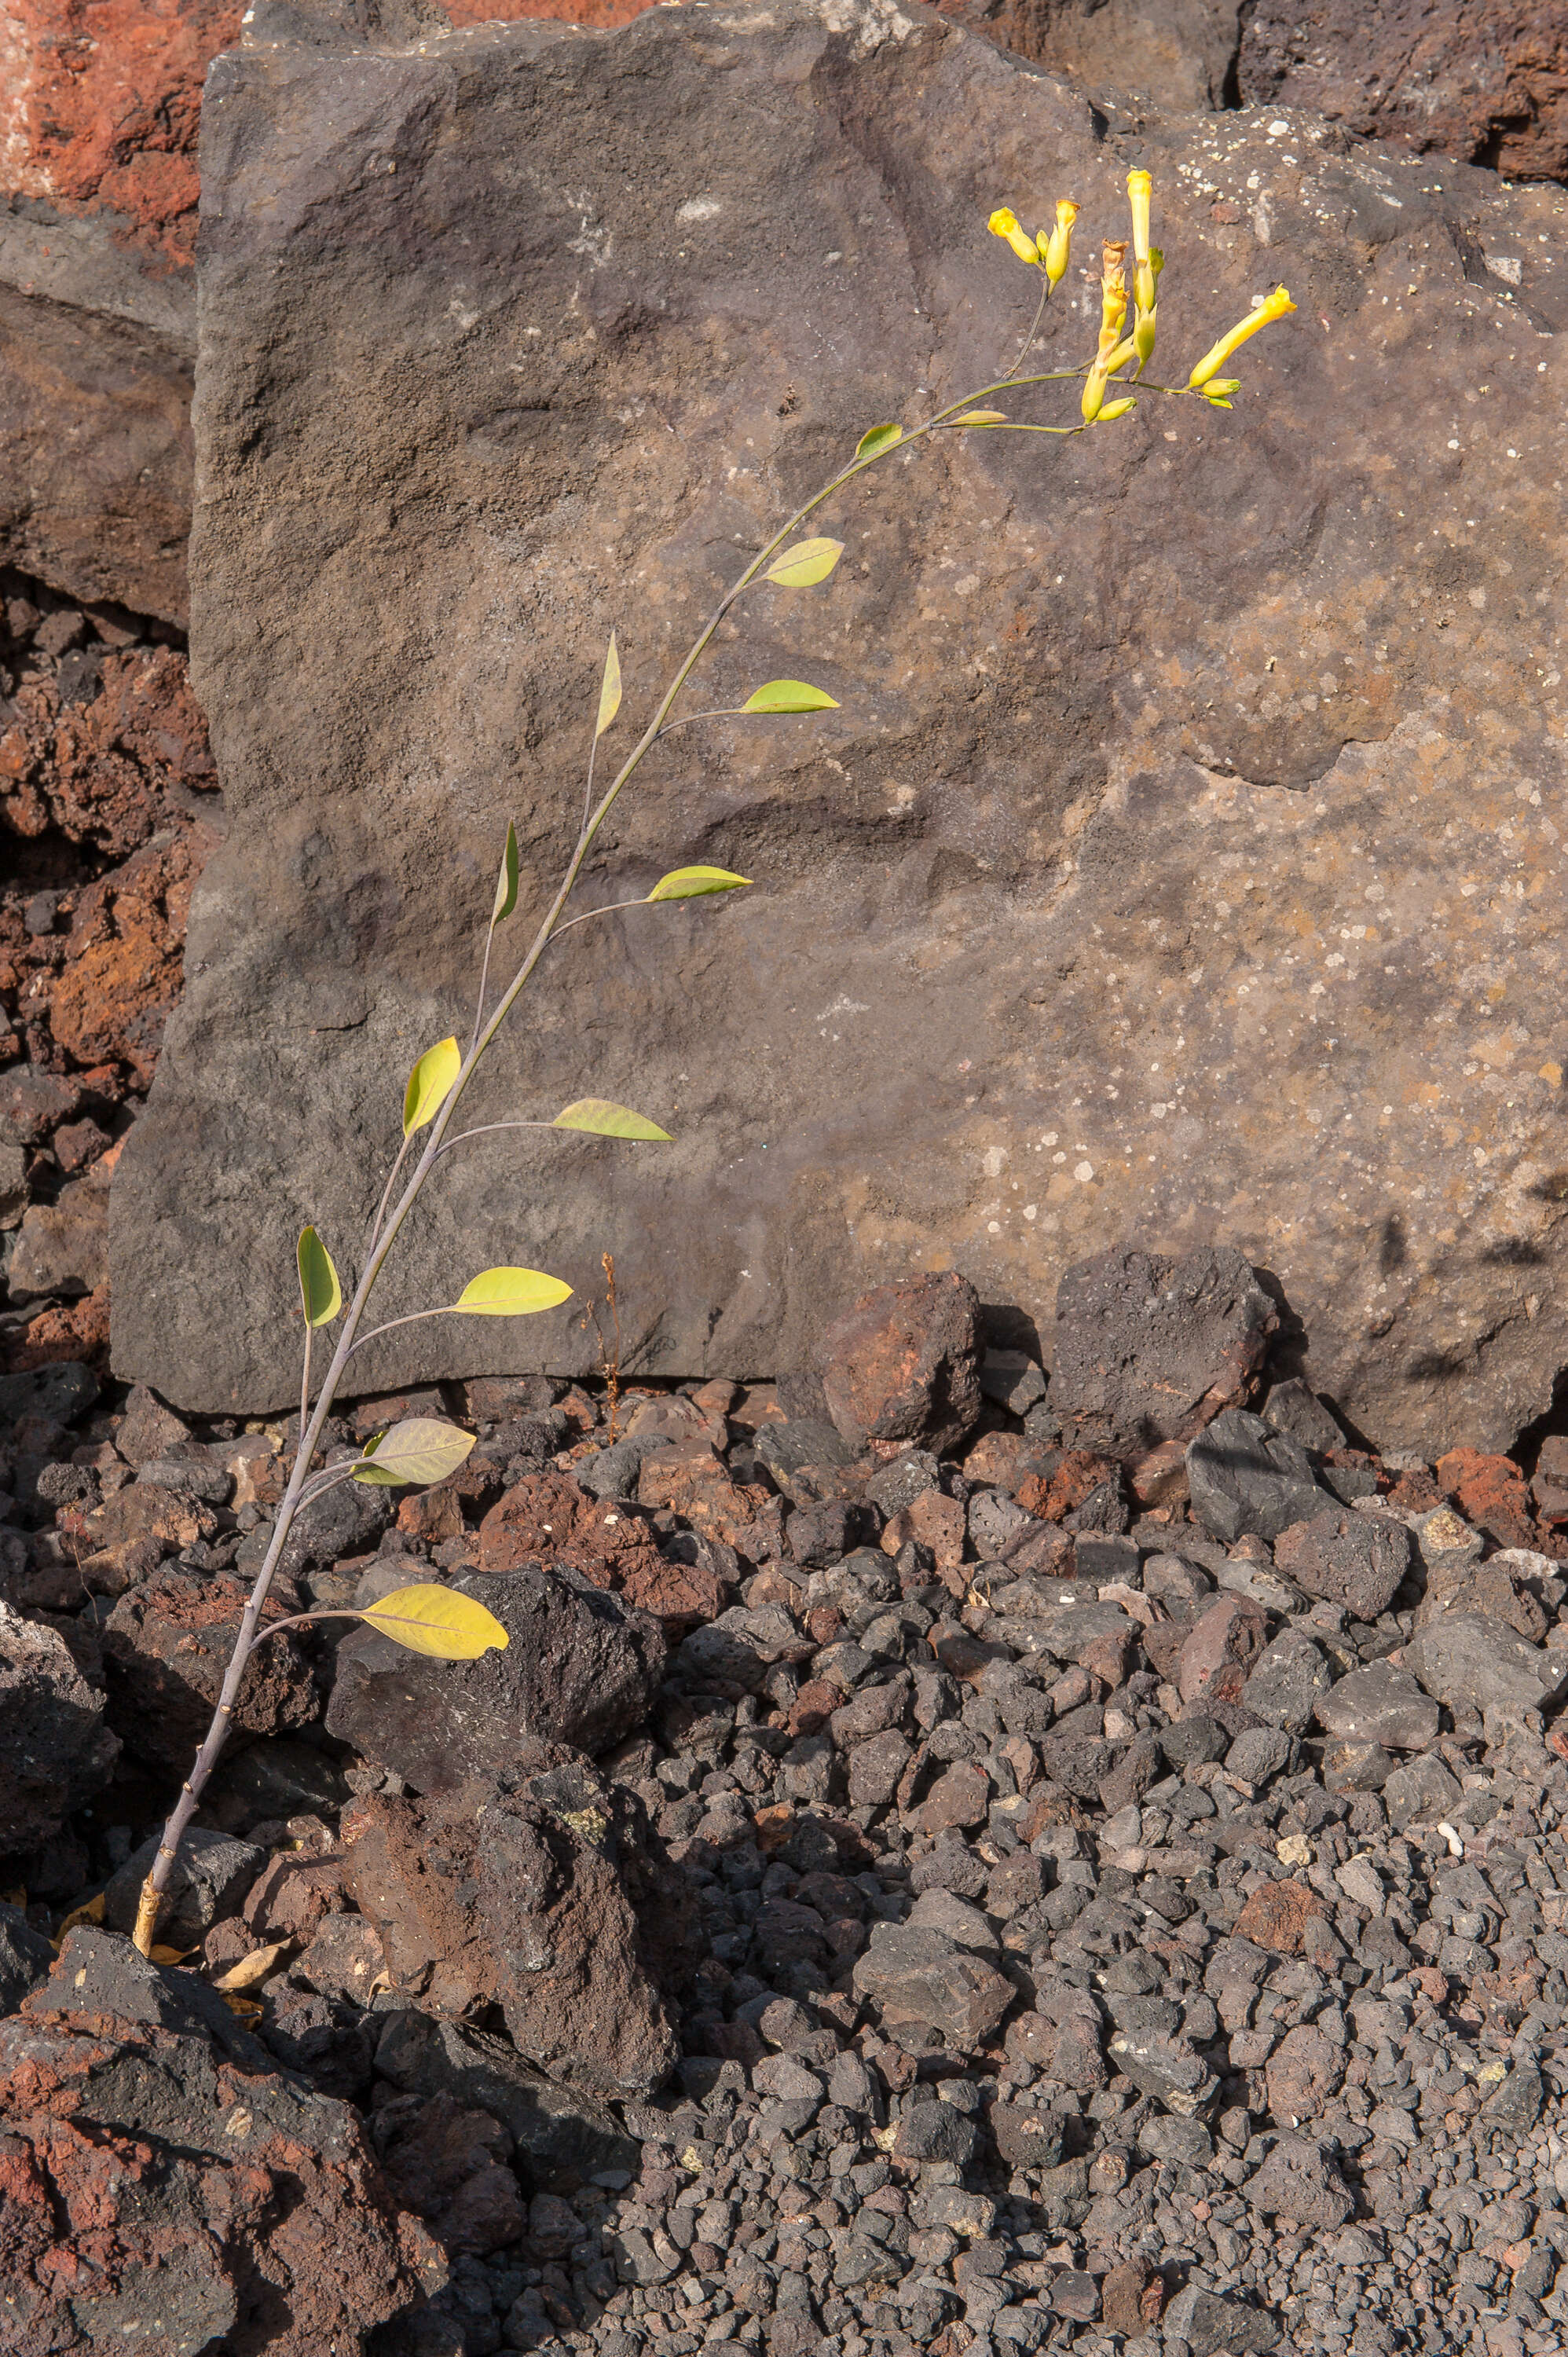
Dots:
(903, 1364)
(166, 1649)
(448, 2163)
(692, 1482)
(1229, 1636)
(516, 1895)
(932, 1519)
(1130, 2298)
(1486, 81)
(1277, 1914)
(1489, 1491)
(1056, 1493)
(150, 2165)
(961, 1797)
(546, 1518)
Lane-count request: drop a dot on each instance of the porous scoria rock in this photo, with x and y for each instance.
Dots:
(55, 1750)
(164, 2189)
(167, 1646)
(579, 1667)
(518, 1894)
(903, 1364)
(1149, 1349)
(1220, 792)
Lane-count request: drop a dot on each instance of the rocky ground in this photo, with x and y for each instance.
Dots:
(946, 1859)
(108, 811)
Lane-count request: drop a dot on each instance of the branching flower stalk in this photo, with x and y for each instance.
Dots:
(432, 1619)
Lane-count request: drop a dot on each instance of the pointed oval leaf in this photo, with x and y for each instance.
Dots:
(877, 437)
(601, 1118)
(419, 1450)
(436, 1621)
(981, 417)
(510, 1293)
(320, 1295)
(803, 566)
(506, 882)
(790, 696)
(609, 692)
(430, 1084)
(688, 883)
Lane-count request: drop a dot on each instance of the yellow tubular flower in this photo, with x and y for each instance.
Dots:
(1059, 246)
(1112, 313)
(1147, 279)
(1004, 224)
(1277, 305)
(1140, 189)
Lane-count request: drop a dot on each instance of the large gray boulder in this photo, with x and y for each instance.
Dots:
(1177, 867)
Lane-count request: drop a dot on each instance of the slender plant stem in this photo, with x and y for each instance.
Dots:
(386, 1230)
(479, 1007)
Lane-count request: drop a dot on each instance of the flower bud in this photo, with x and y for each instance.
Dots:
(1004, 224)
(1115, 408)
(1140, 189)
(1059, 246)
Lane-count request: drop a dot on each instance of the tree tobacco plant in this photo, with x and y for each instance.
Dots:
(428, 1617)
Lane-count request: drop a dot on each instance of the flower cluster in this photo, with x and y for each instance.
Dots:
(1118, 346)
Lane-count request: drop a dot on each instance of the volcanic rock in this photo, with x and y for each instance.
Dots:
(1462, 1658)
(1262, 553)
(1356, 1560)
(580, 1667)
(513, 1894)
(1150, 1350)
(167, 1647)
(1244, 1478)
(55, 1750)
(157, 2169)
(904, 1364)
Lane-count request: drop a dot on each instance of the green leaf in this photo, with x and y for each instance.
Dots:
(803, 566)
(609, 694)
(506, 882)
(436, 1621)
(981, 417)
(687, 883)
(419, 1450)
(789, 696)
(320, 1295)
(603, 1119)
(510, 1293)
(430, 1084)
(877, 437)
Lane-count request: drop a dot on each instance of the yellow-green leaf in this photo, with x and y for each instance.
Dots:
(803, 566)
(320, 1295)
(609, 693)
(510, 1293)
(877, 437)
(430, 1084)
(436, 1621)
(603, 1119)
(419, 1450)
(688, 883)
(789, 696)
(506, 882)
(981, 417)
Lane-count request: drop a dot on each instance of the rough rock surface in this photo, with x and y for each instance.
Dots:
(163, 2189)
(579, 1668)
(1149, 1349)
(513, 1894)
(903, 1364)
(1291, 782)
(55, 1750)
